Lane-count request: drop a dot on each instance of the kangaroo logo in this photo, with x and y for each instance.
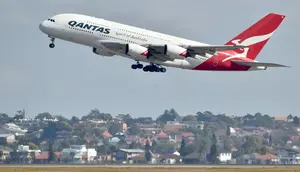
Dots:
(243, 52)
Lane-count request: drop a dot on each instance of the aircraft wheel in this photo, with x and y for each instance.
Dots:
(134, 66)
(140, 66)
(51, 45)
(146, 69)
(163, 70)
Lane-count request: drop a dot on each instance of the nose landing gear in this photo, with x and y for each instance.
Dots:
(52, 45)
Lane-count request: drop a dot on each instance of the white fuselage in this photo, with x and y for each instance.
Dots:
(90, 31)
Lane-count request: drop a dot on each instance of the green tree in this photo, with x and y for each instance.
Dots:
(263, 150)
(213, 153)
(74, 120)
(189, 118)
(43, 115)
(95, 114)
(182, 150)
(167, 116)
(228, 131)
(148, 155)
(33, 146)
(133, 130)
(19, 115)
(51, 157)
(296, 120)
(214, 139)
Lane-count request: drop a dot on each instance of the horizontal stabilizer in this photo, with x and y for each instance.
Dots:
(257, 64)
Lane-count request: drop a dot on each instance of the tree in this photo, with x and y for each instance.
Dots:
(228, 131)
(127, 119)
(296, 120)
(213, 153)
(154, 146)
(167, 116)
(4, 118)
(214, 139)
(144, 120)
(133, 130)
(182, 150)
(43, 115)
(148, 155)
(189, 118)
(33, 146)
(227, 144)
(263, 150)
(51, 152)
(61, 118)
(114, 128)
(19, 115)
(96, 115)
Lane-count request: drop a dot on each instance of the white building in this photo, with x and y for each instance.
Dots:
(80, 152)
(224, 157)
(10, 128)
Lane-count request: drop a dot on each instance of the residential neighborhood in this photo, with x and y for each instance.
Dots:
(100, 138)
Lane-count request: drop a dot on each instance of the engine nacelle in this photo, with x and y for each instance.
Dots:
(101, 52)
(137, 51)
(175, 52)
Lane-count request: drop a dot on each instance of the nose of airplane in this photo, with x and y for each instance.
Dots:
(43, 26)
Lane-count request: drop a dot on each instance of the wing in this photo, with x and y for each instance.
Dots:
(257, 64)
(159, 50)
(196, 49)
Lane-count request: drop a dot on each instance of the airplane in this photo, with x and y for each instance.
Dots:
(159, 50)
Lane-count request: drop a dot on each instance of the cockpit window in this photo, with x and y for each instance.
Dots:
(51, 20)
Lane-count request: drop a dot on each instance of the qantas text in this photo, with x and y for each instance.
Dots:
(89, 27)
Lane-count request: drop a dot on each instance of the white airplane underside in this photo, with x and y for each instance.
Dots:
(107, 38)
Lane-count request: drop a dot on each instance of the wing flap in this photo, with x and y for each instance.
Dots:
(257, 64)
(212, 49)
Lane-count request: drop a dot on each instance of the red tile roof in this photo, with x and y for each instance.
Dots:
(267, 156)
(162, 135)
(107, 134)
(187, 134)
(42, 156)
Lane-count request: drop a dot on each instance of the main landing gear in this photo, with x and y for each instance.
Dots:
(52, 45)
(149, 68)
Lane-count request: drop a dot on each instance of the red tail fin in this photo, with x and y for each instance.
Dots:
(256, 36)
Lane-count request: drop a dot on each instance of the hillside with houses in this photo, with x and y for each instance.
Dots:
(171, 138)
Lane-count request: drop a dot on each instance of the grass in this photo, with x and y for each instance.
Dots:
(179, 169)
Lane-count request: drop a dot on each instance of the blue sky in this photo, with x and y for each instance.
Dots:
(70, 80)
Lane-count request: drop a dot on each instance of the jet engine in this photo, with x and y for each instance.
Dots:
(102, 52)
(175, 52)
(135, 50)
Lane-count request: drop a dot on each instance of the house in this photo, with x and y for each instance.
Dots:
(7, 139)
(162, 138)
(225, 157)
(141, 158)
(149, 129)
(288, 157)
(267, 159)
(193, 158)
(78, 154)
(193, 124)
(127, 154)
(172, 126)
(247, 158)
(11, 128)
(131, 138)
(4, 152)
